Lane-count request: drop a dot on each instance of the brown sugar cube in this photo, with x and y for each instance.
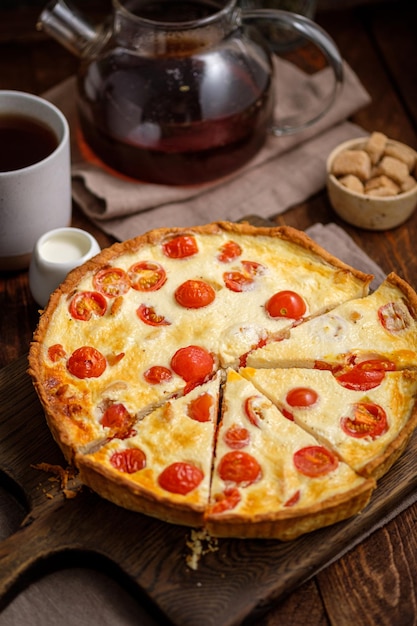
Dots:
(381, 192)
(381, 182)
(355, 162)
(393, 168)
(408, 184)
(375, 146)
(402, 153)
(352, 182)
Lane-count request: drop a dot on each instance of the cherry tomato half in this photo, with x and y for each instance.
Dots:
(148, 315)
(111, 281)
(293, 499)
(315, 461)
(56, 352)
(367, 420)
(393, 317)
(236, 437)
(365, 375)
(87, 304)
(226, 501)
(116, 416)
(86, 362)
(229, 251)
(253, 410)
(253, 268)
(180, 478)
(239, 467)
(194, 294)
(301, 397)
(238, 281)
(180, 247)
(157, 374)
(147, 276)
(199, 409)
(128, 461)
(286, 304)
(192, 363)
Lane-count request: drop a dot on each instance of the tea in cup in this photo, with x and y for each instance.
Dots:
(35, 174)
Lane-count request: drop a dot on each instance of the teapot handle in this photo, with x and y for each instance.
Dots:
(316, 35)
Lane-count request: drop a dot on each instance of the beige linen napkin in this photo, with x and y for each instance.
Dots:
(285, 172)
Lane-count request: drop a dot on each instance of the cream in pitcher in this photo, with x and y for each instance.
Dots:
(178, 92)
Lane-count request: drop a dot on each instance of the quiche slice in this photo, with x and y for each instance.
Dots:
(161, 467)
(271, 478)
(382, 325)
(366, 422)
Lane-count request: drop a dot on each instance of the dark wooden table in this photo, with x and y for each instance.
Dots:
(375, 582)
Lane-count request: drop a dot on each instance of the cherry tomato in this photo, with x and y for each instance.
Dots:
(253, 268)
(199, 408)
(244, 357)
(368, 420)
(239, 467)
(286, 304)
(238, 281)
(148, 315)
(393, 317)
(116, 416)
(293, 500)
(253, 410)
(157, 374)
(236, 437)
(128, 461)
(180, 247)
(194, 294)
(146, 276)
(315, 461)
(301, 397)
(228, 500)
(322, 365)
(87, 304)
(180, 478)
(192, 363)
(287, 414)
(111, 281)
(56, 352)
(229, 251)
(365, 375)
(86, 362)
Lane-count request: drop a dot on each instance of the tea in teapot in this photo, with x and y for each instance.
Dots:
(176, 92)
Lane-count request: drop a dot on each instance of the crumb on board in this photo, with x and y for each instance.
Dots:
(199, 544)
(63, 475)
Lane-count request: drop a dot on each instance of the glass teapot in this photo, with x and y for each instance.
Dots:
(178, 92)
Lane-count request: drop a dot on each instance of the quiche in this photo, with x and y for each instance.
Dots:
(150, 354)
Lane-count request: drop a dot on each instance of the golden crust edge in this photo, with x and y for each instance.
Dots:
(288, 525)
(377, 468)
(406, 289)
(119, 491)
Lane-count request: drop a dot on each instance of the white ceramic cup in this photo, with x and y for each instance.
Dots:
(36, 198)
(56, 253)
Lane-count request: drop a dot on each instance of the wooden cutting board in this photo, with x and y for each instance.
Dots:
(231, 585)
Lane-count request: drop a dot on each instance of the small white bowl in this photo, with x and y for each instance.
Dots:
(369, 212)
(55, 254)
